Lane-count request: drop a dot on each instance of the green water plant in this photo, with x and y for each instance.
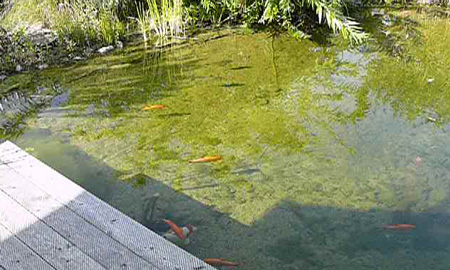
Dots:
(162, 18)
(88, 22)
(85, 22)
(105, 21)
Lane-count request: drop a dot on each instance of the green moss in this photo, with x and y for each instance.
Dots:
(315, 153)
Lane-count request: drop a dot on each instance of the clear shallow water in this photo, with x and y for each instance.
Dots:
(320, 149)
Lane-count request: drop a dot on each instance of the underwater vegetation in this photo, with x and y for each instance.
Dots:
(309, 157)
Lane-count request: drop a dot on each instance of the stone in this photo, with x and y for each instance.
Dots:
(316, 49)
(377, 12)
(105, 50)
(43, 66)
(18, 68)
(38, 34)
(119, 45)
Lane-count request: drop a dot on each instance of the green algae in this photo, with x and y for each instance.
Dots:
(319, 148)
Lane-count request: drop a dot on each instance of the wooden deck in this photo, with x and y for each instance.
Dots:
(49, 222)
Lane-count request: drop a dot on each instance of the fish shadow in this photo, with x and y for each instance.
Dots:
(241, 67)
(170, 115)
(228, 85)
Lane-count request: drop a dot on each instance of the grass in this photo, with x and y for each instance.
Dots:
(162, 19)
(84, 22)
(106, 22)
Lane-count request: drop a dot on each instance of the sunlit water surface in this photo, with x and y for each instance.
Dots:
(320, 147)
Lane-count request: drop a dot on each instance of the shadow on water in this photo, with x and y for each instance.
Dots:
(359, 239)
(289, 236)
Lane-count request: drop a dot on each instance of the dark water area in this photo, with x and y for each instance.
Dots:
(320, 146)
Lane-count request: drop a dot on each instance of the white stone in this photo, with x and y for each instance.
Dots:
(43, 66)
(105, 50)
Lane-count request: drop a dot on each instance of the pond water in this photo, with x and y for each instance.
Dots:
(321, 146)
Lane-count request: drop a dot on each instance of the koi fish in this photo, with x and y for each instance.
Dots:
(153, 107)
(177, 230)
(220, 262)
(399, 227)
(188, 230)
(418, 161)
(206, 159)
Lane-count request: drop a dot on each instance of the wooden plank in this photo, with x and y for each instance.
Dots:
(15, 255)
(88, 238)
(123, 229)
(52, 247)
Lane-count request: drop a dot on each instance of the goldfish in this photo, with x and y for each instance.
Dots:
(188, 230)
(418, 161)
(399, 227)
(177, 230)
(220, 262)
(153, 107)
(206, 159)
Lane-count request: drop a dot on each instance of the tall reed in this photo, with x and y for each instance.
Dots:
(165, 17)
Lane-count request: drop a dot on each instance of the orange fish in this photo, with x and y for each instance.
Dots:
(399, 227)
(206, 159)
(220, 262)
(153, 107)
(177, 230)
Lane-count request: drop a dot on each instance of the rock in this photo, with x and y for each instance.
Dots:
(60, 7)
(427, 2)
(18, 68)
(78, 58)
(2, 77)
(387, 21)
(119, 45)
(386, 33)
(431, 119)
(316, 49)
(43, 66)
(37, 34)
(60, 100)
(105, 50)
(88, 51)
(430, 80)
(377, 12)
(41, 89)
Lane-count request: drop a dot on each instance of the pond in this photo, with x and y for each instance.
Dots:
(321, 145)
